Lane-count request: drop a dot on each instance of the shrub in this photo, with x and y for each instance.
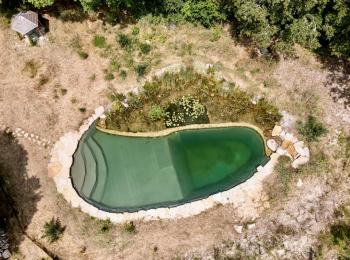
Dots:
(151, 89)
(83, 55)
(156, 113)
(134, 100)
(53, 230)
(99, 41)
(124, 40)
(239, 103)
(106, 225)
(341, 238)
(145, 48)
(266, 114)
(123, 74)
(312, 129)
(141, 69)
(129, 227)
(204, 12)
(109, 76)
(82, 109)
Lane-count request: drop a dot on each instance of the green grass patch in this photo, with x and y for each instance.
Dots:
(99, 41)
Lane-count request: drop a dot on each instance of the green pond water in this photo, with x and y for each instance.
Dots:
(119, 173)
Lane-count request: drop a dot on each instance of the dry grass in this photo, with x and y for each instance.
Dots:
(45, 99)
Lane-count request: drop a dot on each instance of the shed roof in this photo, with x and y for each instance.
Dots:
(24, 22)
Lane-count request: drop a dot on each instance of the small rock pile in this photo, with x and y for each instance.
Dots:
(19, 132)
(4, 245)
(284, 143)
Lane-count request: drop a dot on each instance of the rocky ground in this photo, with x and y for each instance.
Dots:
(47, 101)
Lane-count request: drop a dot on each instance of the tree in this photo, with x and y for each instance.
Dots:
(205, 12)
(336, 28)
(269, 22)
(41, 3)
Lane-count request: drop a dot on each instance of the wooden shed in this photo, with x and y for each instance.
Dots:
(25, 22)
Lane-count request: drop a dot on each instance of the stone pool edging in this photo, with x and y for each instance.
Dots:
(168, 131)
(62, 159)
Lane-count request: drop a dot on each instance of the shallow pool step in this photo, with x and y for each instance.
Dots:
(90, 170)
(78, 168)
(101, 170)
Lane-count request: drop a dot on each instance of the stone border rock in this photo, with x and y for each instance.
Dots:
(34, 138)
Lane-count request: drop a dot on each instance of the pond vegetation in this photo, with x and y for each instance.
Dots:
(187, 97)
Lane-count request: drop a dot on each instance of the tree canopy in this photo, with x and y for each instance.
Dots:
(275, 24)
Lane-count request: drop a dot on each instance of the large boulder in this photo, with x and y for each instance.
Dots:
(276, 130)
(300, 161)
(272, 145)
(303, 151)
(291, 150)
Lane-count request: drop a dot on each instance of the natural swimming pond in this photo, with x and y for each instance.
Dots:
(119, 173)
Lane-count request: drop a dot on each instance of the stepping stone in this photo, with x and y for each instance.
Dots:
(276, 130)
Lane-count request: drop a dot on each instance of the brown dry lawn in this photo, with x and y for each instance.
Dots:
(43, 88)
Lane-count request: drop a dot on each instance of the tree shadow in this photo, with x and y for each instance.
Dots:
(338, 80)
(20, 193)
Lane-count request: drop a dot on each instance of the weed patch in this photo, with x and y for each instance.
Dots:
(99, 41)
(53, 230)
(311, 129)
(187, 97)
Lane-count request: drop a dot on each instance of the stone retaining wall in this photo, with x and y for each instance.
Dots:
(62, 159)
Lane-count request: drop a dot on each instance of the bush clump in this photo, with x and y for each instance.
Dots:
(129, 227)
(145, 48)
(141, 69)
(124, 40)
(156, 113)
(105, 225)
(123, 74)
(53, 230)
(204, 12)
(311, 129)
(266, 114)
(135, 31)
(109, 76)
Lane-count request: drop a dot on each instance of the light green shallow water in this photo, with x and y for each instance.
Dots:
(119, 173)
